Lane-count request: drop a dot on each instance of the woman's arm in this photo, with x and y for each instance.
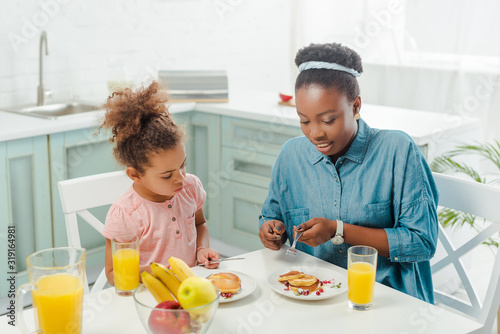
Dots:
(321, 230)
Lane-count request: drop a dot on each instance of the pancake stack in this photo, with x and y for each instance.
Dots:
(300, 282)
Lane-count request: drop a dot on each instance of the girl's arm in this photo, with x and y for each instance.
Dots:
(204, 253)
(108, 263)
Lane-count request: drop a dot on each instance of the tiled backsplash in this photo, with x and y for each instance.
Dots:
(93, 41)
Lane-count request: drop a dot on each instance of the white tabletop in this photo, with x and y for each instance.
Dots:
(265, 311)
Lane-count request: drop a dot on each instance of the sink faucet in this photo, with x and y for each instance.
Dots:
(41, 90)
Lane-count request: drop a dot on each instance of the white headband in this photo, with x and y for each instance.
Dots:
(328, 66)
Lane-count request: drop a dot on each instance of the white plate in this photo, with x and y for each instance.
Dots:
(323, 274)
(248, 285)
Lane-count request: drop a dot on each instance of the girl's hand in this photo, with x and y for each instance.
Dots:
(271, 234)
(316, 231)
(205, 255)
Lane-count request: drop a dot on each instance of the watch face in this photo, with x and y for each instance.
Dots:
(337, 240)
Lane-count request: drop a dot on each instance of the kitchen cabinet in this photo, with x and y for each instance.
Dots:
(203, 160)
(249, 150)
(24, 204)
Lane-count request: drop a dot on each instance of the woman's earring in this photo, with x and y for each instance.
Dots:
(357, 116)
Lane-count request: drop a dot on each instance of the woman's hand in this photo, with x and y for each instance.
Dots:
(205, 255)
(316, 231)
(270, 234)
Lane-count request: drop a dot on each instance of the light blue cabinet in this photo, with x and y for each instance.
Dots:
(204, 152)
(24, 204)
(249, 150)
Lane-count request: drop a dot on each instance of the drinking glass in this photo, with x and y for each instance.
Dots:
(126, 264)
(362, 267)
(56, 278)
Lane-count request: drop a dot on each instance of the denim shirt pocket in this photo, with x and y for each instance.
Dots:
(379, 215)
(297, 216)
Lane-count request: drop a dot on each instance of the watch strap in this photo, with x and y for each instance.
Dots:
(340, 228)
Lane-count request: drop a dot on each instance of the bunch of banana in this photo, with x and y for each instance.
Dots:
(159, 291)
(164, 284)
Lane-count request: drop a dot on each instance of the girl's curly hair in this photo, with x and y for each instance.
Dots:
(330, 53)
(140, 125)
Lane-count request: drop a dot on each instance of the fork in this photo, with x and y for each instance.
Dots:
(292, 250)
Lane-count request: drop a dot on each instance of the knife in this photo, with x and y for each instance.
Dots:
(220, 260)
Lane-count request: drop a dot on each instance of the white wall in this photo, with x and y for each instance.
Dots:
(87, 38)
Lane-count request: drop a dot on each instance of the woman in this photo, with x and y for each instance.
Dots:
(370, 187)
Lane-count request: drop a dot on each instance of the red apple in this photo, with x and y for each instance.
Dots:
(165, 322)
(285, 97)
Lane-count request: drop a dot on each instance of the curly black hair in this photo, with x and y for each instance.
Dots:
(140, 125)
(331, 53)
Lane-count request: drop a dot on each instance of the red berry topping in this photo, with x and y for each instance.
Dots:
(321, 290)
(229, 294)
(223, 294)
(318, 293)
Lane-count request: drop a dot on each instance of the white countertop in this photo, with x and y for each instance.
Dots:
(422, 126)
(17, 126)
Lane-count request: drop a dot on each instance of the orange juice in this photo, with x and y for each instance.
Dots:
(361, 280)
(58, 300)
(126, 269)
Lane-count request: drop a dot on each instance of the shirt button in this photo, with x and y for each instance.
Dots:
(177, 231)
(396, 258)
(170, 206)
(335, 203)
(336, 180)
(341, 251)
(173, 219)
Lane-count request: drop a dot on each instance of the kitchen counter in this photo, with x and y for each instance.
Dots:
(17, 126)
(424, 127)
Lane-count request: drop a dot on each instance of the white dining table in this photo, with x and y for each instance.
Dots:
(266, 311)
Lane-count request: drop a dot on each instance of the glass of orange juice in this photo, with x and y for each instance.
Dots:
(56, 280)
(126, 264)
(361, 270)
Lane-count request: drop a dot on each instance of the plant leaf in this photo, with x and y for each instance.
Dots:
(490, 151)
(443, 164)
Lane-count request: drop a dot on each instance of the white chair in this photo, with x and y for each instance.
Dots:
(80, 194)
(482, 201)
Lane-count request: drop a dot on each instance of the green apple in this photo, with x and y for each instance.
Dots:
(194, 292)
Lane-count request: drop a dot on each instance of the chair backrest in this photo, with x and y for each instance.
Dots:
(80, 194)
(482, 201)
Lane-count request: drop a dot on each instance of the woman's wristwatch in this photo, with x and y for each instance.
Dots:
(338, 238)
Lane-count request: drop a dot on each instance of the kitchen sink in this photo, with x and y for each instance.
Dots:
(56, 110)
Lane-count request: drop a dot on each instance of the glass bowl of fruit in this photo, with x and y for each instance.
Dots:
(169, 317)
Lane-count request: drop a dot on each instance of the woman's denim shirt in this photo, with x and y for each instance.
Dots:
(382, 181)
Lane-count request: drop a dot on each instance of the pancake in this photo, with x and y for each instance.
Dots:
(311, 288)
(226, 282)
(226, 285)
(229, 276)
(304, 280)
(290, 275)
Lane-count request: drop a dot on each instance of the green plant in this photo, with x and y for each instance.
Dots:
(448, 164)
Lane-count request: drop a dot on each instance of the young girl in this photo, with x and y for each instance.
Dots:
(345, 183)
(164, 204)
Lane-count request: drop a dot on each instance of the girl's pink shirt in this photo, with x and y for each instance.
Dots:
(166, 229)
